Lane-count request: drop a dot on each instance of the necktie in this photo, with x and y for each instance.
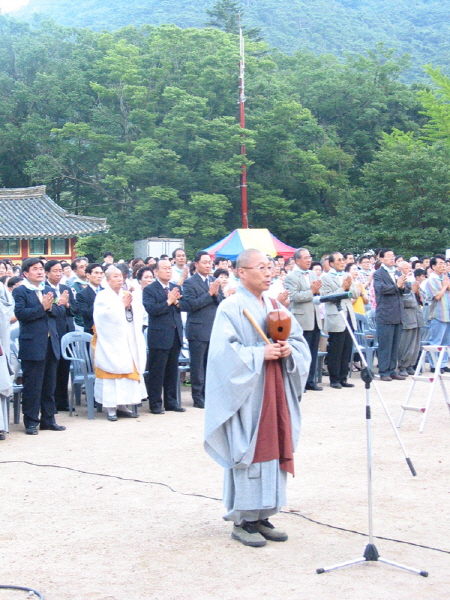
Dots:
(39, 295)
(166, 289)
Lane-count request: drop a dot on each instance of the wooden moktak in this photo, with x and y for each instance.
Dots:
(278, 325)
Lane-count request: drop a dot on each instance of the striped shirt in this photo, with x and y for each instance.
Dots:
(439, 309)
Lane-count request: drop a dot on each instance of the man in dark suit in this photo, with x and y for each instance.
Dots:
(86, 297)
(202, 295)
(64, 324)
(39, 350)
(389, 291)
(162, 300)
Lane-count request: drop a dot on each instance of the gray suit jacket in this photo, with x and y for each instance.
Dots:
(332, 284)
(301, 299)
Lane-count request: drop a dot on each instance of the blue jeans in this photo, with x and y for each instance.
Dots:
(388, 342)
(439, 336)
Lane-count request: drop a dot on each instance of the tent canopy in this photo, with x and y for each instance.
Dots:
(243, 239)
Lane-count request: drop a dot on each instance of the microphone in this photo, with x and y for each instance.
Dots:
(332, 297)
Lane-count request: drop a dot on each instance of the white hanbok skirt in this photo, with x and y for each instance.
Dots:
(114, 392)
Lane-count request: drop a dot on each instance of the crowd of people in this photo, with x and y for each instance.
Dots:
(144, 316)
(144, 312)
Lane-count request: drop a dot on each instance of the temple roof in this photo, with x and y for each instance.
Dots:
(30, 213)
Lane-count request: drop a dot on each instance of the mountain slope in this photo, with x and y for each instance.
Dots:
(420, 28)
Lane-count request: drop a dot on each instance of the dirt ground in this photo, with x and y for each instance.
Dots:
(131, 510)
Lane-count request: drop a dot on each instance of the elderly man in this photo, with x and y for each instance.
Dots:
(409, 348)
(302, 285)
(340, 343)
(119, 348)
(252, 418)
(389, 314)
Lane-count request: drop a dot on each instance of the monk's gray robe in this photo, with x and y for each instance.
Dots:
(233, 401)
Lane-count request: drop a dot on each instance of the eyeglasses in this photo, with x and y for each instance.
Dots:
(261, 268)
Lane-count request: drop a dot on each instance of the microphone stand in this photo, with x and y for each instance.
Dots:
(370, 552)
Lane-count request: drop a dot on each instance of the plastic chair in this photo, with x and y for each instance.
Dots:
(320, 360)
(366, 338)
(75, 346)
(17, 386)
(184, 365)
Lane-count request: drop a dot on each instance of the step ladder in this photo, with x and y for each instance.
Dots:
(437, 353)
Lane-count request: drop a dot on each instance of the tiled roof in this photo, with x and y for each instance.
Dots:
(30, 213)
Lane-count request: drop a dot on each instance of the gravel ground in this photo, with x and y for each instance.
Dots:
(131, 510)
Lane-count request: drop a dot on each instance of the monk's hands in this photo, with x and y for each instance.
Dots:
(285, 349)
(276, 351)
(127, 299)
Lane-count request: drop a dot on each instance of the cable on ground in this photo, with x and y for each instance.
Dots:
(286, 512)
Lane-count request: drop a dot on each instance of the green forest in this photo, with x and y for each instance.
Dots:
(140, 125)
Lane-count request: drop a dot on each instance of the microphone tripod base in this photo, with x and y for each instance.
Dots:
(371, 555)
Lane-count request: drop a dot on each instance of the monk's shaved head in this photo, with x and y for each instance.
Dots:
(246, 257)
(110, 271)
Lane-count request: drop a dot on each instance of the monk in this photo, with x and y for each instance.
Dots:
(252, 418)
(119, 348)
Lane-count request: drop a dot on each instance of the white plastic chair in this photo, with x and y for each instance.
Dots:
(75, 346)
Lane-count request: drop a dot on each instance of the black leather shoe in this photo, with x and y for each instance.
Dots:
(314, 388)
(199, 405)
(345, 384)
(31, 430)
(157, 411)
(52, 427)
(177, 409)
(336, 386)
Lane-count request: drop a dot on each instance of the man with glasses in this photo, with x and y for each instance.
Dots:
(340, 343)
(303, 284)
(252, 416)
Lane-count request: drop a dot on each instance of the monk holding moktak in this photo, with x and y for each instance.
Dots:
(252, 416)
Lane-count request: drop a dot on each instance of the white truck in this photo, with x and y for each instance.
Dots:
(156, 246)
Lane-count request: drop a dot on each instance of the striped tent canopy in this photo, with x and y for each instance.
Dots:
(243, 239)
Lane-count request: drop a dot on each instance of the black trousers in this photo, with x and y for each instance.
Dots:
(62, 384)
(340, 346)
(162, 367)
(38, 395)
(198, 352)
(312, 338)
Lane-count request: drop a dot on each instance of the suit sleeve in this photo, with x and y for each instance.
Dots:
(292, 284)
(153, 305)
(327, 287)
(22, 311)
(84, 309)
(193, 300)
(385, 288)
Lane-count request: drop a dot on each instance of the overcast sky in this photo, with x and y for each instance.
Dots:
(11, 5)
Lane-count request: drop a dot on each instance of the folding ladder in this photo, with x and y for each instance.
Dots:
(437, 353)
